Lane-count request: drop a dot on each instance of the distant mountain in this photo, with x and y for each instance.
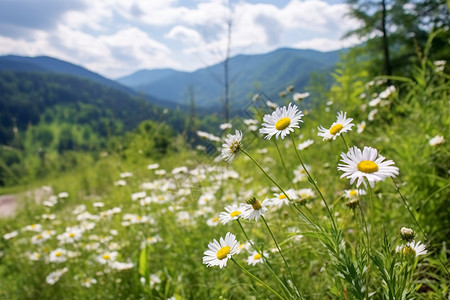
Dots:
(143, 77)
(269, 73)
(53, 65)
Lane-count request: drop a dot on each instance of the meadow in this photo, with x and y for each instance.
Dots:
(124, 226)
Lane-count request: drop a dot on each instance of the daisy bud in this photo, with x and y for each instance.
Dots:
(407, 234)
(352, 204)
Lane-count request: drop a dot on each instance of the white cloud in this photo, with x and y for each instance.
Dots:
(115, 37)
(184, 34)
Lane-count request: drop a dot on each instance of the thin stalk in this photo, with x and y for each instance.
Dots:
(367, 249)
(282, 256)
(270, 178)
(282, 160)
(315, 185)
(345, 142)
(417, 223)
(267, 263)
(257, 279)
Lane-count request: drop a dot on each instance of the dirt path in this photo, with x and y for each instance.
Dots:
(10, 203)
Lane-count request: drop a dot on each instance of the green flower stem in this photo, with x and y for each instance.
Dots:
(267, 263)
(257, 279)
(417, 223)
(315, 185)
(367, 248)
(271, 179)
(282, 160)
(282, 256)
(345, 142)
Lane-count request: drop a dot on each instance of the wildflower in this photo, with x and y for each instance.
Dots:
(407, 234)
(350, 194)
(360, 127)
(305, 144)
(412, 249)
(342, 124)
(153, 166)
(52, 201)
(154, 239)
(225, 126)
(79, 209)
(231, 146)
(366, 164)
(299, 96)
(282, 198)
(352, 203)
(98, 204)
(281, 122)
(305, 195)
(33, 227)
(126, 174)
(440, 65)
(300, 173)
(120, 183)
(107, 258)
(232, 212)
(160, 172)
(154, 279)
(39, 238)
(53, 277)
(35, 256)
(254, 209)
(214, 221)
(88, 282)
(387, 92)
(58, 255)
(206, 198)
(63, 195)
(372, 114)
(436, 141)
(121, 266)
(10, 235)
(218, 253)
(256, 258)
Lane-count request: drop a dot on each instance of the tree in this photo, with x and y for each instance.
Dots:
(395, 31)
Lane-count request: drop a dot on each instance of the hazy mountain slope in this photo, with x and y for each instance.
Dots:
(269, 73)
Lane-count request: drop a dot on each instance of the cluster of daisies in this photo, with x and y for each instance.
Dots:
(363, 167)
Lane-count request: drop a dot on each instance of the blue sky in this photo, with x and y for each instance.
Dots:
(117, 37)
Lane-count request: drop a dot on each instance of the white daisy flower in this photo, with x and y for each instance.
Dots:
(218, 253)
(342, 124)
(299, 96)
(214, 221)
(372, 114)
(281, 122)
(232, 212)
(413, 249)
(58, 255)
(53, 277)
(305, 194)
(88, 282)
(107, 258)
(153, 166)
(436, 141)
(256, 258)
(254, 209)
(366, 164)
(225, 126)
(10, 235)
(305, 144)
(360, 127)
(280, 199)
(349, 194)
(231, 145)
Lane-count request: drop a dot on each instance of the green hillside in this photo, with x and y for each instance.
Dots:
(45, 114)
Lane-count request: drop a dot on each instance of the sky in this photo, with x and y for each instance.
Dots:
(118, 37)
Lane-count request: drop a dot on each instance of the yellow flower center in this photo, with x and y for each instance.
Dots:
(71, 234)
(234, 147)
(282, 196)
(283, 123)
(235, 213)
(257, 256)
(106, 257)
(336, 128)
(215, 219)
(353, 193)
(57, 254)
(223, 252)
(367, 166)
(409, 251)
(39, 237)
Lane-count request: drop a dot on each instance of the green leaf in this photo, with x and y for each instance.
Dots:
(143, 263)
